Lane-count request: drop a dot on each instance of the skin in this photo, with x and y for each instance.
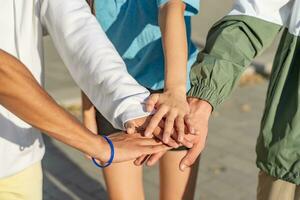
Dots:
(21, 94)
(171, 105)
(167, 124)
(197, 119)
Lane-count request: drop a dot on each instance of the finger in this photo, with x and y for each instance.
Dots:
(169, 124)
(156, 149)
(130, 127)
(151, 102)
(180, 128)
(191, 138)
(152, 160)
(155, 121)
(191, 156)
(149, 142)
(140, 160)
(158, 133)
(161, 124)
(185, 142)
(188, 122)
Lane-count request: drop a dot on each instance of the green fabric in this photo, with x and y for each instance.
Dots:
(278, 144)
(231, 45)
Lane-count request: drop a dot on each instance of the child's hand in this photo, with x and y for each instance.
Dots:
(171, 105)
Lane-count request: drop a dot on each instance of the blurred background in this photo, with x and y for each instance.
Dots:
(227, 167)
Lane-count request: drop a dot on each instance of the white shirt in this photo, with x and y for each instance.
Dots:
(283, 12)
(90, 57)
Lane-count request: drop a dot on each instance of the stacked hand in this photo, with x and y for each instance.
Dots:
(177, 121)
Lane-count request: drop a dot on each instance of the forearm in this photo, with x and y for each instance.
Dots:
(88, 114)
(21, 94)
(88, 110)
(174, 38)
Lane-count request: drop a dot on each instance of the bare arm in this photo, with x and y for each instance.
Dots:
(21, 94)
(174, 38)
(172, 104)
(89, 114)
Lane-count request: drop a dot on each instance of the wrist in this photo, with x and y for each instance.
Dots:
(178, 88)
(200, 106)
(100, 149)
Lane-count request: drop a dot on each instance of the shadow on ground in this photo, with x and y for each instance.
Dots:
(64, 179)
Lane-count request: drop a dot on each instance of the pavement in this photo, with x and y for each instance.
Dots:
(227, 167)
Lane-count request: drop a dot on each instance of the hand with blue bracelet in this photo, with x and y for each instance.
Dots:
(120, 147)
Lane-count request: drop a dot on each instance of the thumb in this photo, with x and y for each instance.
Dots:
(130, 127)
(191, 156)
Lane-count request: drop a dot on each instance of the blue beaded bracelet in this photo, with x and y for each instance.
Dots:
(112, 154)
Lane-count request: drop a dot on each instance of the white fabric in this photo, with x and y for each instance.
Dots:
(282, 12)
(89, 56)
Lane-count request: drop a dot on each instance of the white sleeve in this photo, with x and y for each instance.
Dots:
(275, 11)
(92, 60)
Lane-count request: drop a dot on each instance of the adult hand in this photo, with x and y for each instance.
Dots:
(153, 159)
(198, 119)
(140, 124)
(127, 147)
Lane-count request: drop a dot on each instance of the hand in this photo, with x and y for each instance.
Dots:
(172, 106)
(153, 159)
(198, 118)
(140, 124)
(127, 147)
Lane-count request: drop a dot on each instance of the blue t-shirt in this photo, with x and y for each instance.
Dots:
(132, 26)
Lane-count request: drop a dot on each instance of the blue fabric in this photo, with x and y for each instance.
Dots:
(132, 26)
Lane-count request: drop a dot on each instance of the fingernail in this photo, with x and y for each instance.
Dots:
(190, 145)
(192, 130)
(166, 140)
(146, 133)
(182, 167)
